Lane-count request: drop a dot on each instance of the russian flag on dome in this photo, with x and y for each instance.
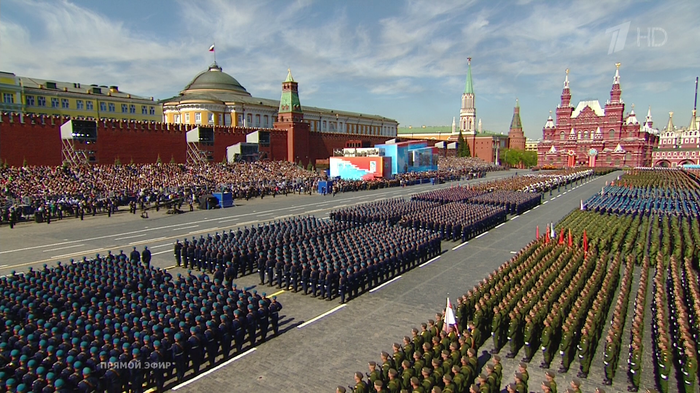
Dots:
(450, 319)
(211, 48)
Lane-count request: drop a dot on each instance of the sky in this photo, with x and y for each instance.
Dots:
(406, 60)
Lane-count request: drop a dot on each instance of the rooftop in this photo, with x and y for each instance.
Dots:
(214, 79)
(76, 87)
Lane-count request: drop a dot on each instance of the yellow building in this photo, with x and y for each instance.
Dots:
(216, 98)
(46, 97)
(531, 144)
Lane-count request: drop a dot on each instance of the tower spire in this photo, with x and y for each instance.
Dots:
(566, 93)
(694, 120)
(469, 86)
(467, 112)
(516, 137)
(616, 92)
(669, 126)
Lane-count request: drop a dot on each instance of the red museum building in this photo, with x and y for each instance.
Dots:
(594, 135)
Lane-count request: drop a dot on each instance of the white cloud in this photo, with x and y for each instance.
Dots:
(419, 46)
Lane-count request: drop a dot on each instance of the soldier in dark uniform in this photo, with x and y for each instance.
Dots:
(136, 371)
(251, 325)
(237, 330)
(113, 377)
(89, 383)
(178, 252)
(179, 356)
(157, 360)
(146, 257)
(263, 319)
(135, 256)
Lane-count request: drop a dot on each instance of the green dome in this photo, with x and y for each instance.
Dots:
(215, 79)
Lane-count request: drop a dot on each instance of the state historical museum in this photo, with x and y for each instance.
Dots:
(596, 136)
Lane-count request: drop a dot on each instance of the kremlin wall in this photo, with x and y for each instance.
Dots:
(36, 140)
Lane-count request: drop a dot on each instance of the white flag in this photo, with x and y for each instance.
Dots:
(450, 319)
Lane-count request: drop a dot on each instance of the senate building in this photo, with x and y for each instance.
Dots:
(214, 97)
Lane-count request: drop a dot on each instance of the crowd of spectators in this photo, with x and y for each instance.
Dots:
(45, 193)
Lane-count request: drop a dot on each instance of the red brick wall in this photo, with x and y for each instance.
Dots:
(37, 140)
(31, 138)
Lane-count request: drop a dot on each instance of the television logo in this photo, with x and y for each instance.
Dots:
(652, 37)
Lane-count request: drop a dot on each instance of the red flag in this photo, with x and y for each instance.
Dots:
(571, 241)
(211, 48)
(546, 236)
(561, 236)
(538, 232)
(585, 241)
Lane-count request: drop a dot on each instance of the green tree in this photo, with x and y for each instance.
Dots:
(462, 146)
(158, 160)
(309, 167)
(117, 161)
(530, 159)
(172, 158)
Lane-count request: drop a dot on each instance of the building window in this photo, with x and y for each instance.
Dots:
(79, 104)
(249, 120)
(64, 103)
(111, 107)
(266, 120)
(612, 134)
(103, 106)
(9, 98)
(210, 118)
(221, 119)
(325, 126)
(257, 120)
(187, 118)
(152, 110)
(30, 100)
(227, 119)
(176, 118)
(41, 101)
(562, 136)
(54, 102)
(124, 108)
(144, 110)
(132, 108)
(198, 118)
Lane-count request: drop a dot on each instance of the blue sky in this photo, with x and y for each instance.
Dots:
(402, 59)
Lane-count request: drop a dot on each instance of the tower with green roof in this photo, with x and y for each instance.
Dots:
(290, 106)
(467, 113)
(516, 137)
(290, 117)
